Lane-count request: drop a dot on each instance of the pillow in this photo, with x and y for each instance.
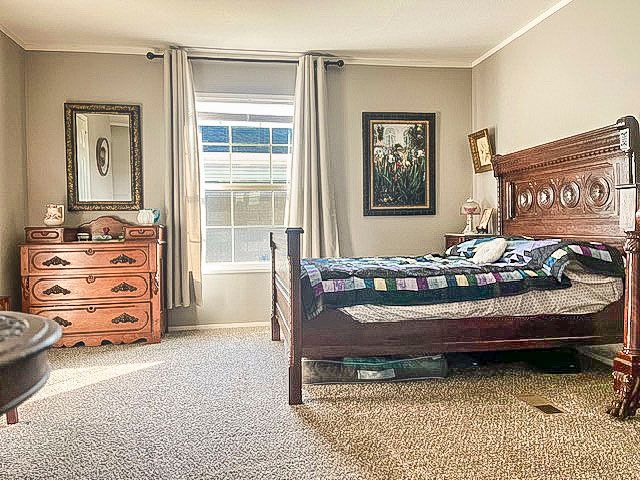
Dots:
(467, 249)
(489, 252)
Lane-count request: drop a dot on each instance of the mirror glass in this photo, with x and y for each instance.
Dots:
(102, 157)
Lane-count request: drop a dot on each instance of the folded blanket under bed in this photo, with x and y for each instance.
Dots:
(526, 265)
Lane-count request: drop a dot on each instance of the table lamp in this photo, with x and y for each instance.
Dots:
(470, 207)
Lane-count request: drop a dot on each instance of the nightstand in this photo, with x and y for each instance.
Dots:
(451, 239)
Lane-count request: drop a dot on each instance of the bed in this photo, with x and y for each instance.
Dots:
(582, 189)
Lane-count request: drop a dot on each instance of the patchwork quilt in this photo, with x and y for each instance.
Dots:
(526, 265)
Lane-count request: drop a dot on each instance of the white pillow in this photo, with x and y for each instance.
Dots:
(489, 252)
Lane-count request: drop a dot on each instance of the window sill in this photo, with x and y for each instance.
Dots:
(224, 268)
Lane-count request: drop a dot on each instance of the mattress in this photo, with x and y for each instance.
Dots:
(588, 293)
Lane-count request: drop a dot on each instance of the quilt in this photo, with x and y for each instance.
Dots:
(526, 265)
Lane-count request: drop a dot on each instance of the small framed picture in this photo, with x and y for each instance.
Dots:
(481, 151)
(485, 220)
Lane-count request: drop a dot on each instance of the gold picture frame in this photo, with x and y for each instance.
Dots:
(74, 203)
(481, 151)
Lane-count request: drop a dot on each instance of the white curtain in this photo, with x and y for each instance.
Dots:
(182, 190)
(310, 203)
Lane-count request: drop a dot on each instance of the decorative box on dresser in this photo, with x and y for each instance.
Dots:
(451, 239)
(97, 291)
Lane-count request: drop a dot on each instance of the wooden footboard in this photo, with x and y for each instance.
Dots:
(286, 308)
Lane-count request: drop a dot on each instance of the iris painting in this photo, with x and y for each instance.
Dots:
(399, 163)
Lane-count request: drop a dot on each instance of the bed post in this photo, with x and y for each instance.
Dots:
(275, 327)
(295, 344)
(626, 365)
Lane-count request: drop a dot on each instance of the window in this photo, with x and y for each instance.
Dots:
(245, 148)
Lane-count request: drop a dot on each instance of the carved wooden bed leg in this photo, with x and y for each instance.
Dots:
(12, 416)
(295, 383)
(275, 327)
(626, 366)
(295, 344)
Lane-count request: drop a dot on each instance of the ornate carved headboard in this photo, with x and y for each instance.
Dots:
(582, 186)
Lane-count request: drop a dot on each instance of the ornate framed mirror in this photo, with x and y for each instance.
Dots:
(104, 156)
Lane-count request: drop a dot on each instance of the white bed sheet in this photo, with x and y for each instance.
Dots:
(589, 293)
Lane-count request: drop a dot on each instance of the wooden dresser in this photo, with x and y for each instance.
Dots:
(97, 291)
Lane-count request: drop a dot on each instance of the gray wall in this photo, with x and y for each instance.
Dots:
(575, 71)
(357, 89)
(56, 78)
(12, 165)
(246, 297)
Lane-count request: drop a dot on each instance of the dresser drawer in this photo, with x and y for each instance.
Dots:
(97, 288)
(140, 233)
(85, 257)
(90, 319)
(50, 234)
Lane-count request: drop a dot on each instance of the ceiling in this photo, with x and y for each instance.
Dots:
(440, 32)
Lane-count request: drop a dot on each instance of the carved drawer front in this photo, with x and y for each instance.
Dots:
(92, 319)
(140, 233)
(97, 288)
(88, 258)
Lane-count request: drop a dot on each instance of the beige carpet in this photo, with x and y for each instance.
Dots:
(213, 405)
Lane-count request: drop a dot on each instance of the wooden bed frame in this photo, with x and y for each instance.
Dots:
(582, 187)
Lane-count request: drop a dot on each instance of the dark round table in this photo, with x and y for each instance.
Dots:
(24, 366)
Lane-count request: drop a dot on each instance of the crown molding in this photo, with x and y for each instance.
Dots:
(406, 62)
(71, 48)
(12, 35)
(349, 60)
(544, 15)
(261, 54)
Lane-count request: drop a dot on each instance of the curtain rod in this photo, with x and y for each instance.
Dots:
(327, 63)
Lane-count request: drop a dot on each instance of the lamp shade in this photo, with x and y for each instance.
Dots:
(470, 207)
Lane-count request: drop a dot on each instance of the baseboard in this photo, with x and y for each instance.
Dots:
(216, 326)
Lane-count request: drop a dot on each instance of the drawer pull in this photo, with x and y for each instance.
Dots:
(124, 287)
(91, 309)
(44, 234)
(56, 290)
(125, 318)
(56, 261)
(90, 251)
(122, 258)
(91, 279)
(62, 322)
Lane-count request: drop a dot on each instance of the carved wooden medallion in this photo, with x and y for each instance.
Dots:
(569, 194)
(546, 196)
(598, 192)
(525, 200)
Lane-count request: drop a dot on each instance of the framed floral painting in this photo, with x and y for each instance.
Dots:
(399, 163)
